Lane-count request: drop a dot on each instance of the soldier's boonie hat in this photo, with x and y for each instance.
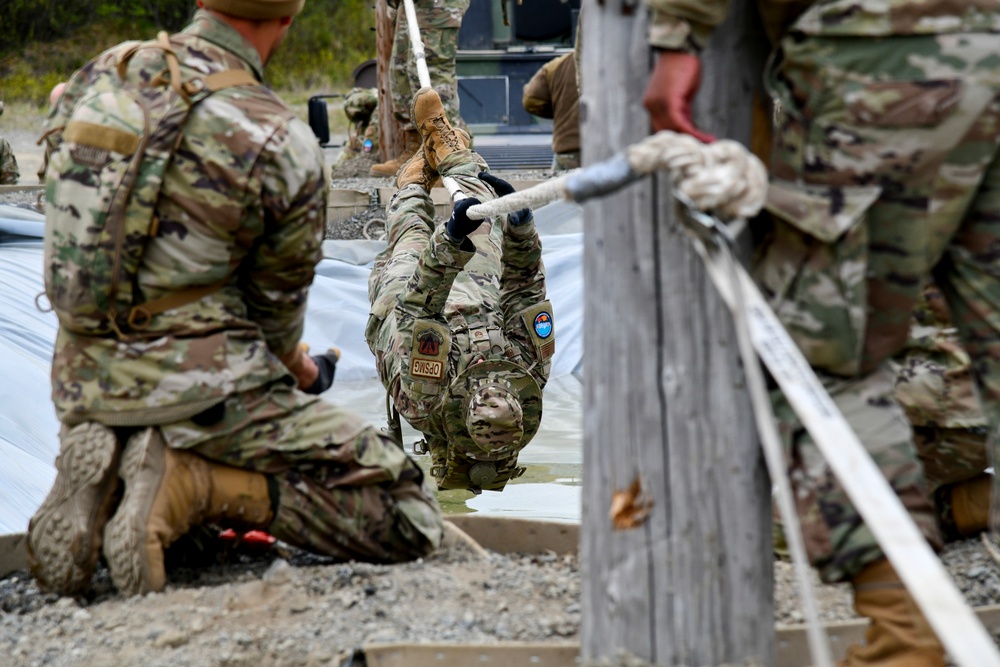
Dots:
(493, 409)
(256, 9)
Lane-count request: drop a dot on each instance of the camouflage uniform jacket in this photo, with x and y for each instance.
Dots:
(9, 172)
(485, 310)
(681, 24)
(243, 203)
(552, 93)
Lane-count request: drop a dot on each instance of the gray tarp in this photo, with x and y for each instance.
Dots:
(338, 309)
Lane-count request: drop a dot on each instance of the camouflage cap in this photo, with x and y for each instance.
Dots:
(493, 409)
(494, 417)
(256, 9)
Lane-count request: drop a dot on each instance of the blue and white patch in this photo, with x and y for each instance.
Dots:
(543, 324)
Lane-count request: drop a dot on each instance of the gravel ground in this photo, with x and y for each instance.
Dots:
(286, 607)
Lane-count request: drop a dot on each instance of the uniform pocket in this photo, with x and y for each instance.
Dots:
(903, 103)
(813, 269)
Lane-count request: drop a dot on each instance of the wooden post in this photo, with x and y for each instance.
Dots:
(669, 438)
(390, 140)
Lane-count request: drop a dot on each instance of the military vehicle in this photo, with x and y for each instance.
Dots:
(498, 52)
(496, 60)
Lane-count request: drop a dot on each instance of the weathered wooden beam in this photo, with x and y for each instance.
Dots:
(390, 139)
(669, 439)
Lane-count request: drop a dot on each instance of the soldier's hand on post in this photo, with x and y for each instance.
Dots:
(503, 188)
(672, 86)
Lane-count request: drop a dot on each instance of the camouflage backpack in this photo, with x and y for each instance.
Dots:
(104, 179)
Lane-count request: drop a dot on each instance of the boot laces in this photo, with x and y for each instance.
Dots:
(447, 133)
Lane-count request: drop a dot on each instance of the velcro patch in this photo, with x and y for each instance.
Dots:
(429, 350)
(541, 327)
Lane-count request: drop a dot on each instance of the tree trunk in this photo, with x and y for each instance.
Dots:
(390, 139)
(668, 428)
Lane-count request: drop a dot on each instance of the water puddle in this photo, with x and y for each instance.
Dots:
(549, 489)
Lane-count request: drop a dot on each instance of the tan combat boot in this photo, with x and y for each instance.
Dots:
(411, 146)
(417, 171)
(64, 535)
(970, 505)
(440, 138)
(898, 635)
(167, 491)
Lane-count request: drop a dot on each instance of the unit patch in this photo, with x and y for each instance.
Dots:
(543, 324)
(429, 343)
(429, 350)
(541, 328)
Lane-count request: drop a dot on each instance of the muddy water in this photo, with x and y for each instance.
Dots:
(550, 489)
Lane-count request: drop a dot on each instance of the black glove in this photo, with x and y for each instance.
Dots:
(459, 224)
(326, 364)
(502, 188)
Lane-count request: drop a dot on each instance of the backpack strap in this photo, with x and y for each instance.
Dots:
(139, 317)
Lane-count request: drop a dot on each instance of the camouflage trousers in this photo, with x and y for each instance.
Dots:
(884, 170)
(9, 173)
(439, 22)
(344, 489)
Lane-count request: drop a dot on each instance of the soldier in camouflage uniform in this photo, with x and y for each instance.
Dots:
(883, 168)
(213, 397)
(439, 22)
(361, 109)
(9, 172)
(461, 330)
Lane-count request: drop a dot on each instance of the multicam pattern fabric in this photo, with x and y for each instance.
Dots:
(237, 142)
(244, 200)
(9, 173)
(439, 21)
(681, 23)
(934, 384)
(344, 488)
(885, 152)
(361, 109)
(466, 308)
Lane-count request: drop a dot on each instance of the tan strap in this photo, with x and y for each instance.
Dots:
(173, 64)
(230, 78)
(139, 317)
(101, 136)
(125, 56)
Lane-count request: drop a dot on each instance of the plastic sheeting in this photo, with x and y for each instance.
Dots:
(337, 313)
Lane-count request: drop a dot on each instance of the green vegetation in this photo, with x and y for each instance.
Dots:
(43, 41)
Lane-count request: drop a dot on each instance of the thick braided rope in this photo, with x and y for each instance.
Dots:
(722, 177)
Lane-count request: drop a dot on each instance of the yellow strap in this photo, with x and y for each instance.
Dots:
(140, 316)
(100, 136)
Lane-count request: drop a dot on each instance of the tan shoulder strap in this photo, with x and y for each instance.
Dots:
(230, 78)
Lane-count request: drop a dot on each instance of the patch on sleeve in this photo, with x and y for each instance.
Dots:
(429, 350)
(538, 320)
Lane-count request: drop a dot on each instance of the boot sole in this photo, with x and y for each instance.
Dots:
(125, 537)
(64, 535)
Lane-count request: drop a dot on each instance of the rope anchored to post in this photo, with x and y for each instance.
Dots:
(723, 177)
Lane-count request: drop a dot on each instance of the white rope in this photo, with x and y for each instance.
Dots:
(417, 44)
(722, 177)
